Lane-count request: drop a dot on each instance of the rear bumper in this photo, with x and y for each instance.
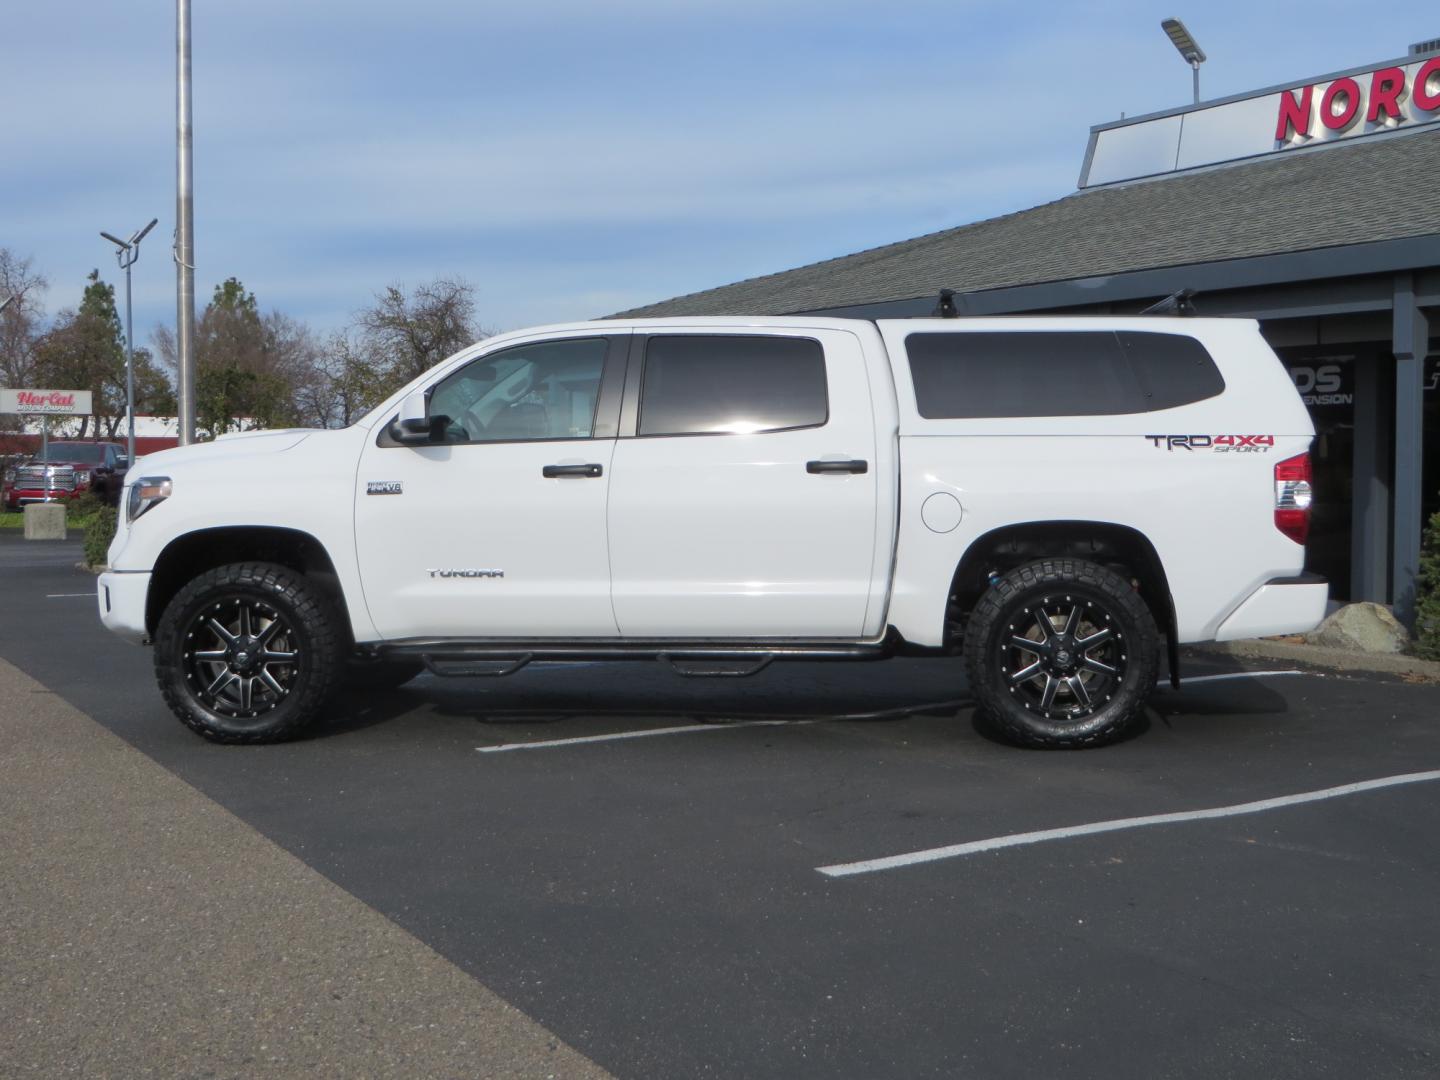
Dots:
(1292, 605)
(121, 597)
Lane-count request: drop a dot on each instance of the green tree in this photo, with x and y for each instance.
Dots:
(1427, 614)
(248, 366)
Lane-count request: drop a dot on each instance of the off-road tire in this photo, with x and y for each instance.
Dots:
(1009, 609)
(313, 628)
(377, 676)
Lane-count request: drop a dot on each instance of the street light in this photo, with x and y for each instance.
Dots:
(1187, 47)
(126, 253)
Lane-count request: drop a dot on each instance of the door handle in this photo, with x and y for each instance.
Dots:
(856, 466)
(551, 472)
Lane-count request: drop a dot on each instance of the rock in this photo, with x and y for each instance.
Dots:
(1362, 627)
(45, 521)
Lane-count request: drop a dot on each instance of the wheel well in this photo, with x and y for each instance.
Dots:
(188, 556)
(1118, 547)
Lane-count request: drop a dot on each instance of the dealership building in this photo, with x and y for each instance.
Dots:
(1314, 208)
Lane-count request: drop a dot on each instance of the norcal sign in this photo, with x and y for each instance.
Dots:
(1378, 100)
(1393, 96)
(46, 402)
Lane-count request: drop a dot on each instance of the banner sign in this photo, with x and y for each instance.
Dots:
(46, 402)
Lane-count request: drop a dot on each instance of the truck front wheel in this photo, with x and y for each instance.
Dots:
(1061, 653)
(248, 653)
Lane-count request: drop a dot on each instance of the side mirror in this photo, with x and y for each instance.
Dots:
(414, 426)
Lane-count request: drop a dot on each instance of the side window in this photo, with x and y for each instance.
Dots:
(1057, 373)
(696, 384)
(547, 390)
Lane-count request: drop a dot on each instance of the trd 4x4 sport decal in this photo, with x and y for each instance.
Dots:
(1220, 444)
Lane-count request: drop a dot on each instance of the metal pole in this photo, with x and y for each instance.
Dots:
(184, 230)
(1195, 67)
(129, 369)
(6, 302)
(45, 437)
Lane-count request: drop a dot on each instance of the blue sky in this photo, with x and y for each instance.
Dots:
(572, 159)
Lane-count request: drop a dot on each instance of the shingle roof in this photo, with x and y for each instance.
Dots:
(1372, 189)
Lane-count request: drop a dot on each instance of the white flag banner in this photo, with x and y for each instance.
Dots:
(46, 402)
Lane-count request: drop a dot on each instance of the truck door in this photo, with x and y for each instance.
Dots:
(499, 530)
(744, 503)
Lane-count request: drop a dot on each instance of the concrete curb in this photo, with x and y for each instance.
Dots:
(1342, 660)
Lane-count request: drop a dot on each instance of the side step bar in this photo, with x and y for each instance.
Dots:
(471, 659)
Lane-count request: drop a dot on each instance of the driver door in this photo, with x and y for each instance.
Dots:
(498, 531)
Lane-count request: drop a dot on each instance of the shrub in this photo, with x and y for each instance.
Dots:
(84, 507)
(98, 534)
(1427, 608)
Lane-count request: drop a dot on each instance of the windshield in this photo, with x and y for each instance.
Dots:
(83, 453)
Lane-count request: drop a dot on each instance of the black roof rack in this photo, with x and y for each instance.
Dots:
(1177, 303)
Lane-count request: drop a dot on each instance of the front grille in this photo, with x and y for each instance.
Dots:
(46, 478)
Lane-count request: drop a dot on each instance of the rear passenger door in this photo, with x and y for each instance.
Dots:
(743, 492)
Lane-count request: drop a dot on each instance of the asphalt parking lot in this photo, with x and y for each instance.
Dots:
(722, 892)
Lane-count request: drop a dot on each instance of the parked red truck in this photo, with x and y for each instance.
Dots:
(65, 470)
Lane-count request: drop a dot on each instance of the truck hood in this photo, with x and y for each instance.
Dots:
(226, 448)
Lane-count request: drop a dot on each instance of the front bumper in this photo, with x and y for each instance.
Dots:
(121, 597)
(1293, 605)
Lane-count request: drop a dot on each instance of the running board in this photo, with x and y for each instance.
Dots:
(484, 659)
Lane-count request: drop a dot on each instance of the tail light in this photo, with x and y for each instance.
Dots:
(1292, 497)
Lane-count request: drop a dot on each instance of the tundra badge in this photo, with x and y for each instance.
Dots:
(384, 487)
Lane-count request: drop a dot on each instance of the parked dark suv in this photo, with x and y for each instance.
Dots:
(66, 470)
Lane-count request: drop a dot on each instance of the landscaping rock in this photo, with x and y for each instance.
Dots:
(44, 521)
(1363, 627)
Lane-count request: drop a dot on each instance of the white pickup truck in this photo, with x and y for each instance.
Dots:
(1053, 498)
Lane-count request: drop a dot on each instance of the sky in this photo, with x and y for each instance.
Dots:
(572, 159)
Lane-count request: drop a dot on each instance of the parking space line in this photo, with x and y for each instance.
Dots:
(1231, 675)
(895, 862)
(67, 595)
(685, 729)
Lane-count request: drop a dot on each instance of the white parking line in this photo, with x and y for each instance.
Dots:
(687, 729)
(67, 595)
(894, 862)
(1230, 675)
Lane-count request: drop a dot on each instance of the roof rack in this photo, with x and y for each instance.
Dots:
(1177, 303)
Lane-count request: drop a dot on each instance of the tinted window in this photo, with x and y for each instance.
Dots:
(1058, 373)
(712, 385)
(80, 453)
(542, 391)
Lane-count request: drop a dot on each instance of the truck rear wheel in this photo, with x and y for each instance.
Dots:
(248, 653)
(1061, 653)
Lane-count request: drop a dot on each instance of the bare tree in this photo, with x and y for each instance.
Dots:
(414, 331)
(21, 322)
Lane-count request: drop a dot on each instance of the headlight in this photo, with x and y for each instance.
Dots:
(146, 492)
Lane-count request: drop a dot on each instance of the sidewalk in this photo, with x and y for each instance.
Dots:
(147, 932)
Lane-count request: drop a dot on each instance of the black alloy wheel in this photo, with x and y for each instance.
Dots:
(248, 653)
(1064, 657)
(241, 657)
(1062, 653)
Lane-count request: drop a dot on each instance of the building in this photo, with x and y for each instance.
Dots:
(1314, 209)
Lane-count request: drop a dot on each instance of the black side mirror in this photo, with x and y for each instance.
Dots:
(419, 431)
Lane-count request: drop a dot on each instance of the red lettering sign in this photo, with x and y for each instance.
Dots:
(54, 399)
(1424, 99)
(1294, 115)
(1343, 103)
(1387, 87)
(1340, 104)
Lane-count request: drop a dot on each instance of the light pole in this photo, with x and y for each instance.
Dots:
(1187, 47)
(184, 249)
(126, 254)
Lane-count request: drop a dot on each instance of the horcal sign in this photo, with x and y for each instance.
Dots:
(1392, 96)
(29, 402)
